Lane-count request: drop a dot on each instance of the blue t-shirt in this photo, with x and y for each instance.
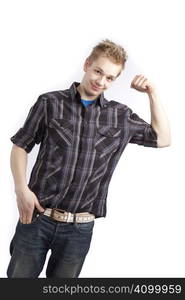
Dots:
(87, 102)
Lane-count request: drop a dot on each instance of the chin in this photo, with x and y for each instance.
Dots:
(90, 92)
(94, 93)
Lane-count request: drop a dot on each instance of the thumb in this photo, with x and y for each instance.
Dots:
(38, 206)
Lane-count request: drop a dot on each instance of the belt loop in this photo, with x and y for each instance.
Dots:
(52, 213)
(74, 218)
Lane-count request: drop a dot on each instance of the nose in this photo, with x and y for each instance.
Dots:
(101, 81)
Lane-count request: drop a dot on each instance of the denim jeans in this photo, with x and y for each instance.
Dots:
(69, 244)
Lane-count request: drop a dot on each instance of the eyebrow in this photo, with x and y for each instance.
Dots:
(104, 73)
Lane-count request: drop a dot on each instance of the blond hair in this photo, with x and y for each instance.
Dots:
(109, 49)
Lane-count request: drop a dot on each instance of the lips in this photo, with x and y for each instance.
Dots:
(95, 87)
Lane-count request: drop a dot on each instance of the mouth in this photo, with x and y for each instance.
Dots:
(95, 88)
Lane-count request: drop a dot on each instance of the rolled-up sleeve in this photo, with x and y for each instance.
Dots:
(141, 132)
(32, 131)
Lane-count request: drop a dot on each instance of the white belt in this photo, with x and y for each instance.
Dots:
(64, 216)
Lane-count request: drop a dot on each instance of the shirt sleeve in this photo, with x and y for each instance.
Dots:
(32, 131)
(142, 133)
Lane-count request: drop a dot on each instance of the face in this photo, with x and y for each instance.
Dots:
(99, 75)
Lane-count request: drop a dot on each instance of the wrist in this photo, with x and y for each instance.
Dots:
(153, 96)
(151, 90)
(20, 188)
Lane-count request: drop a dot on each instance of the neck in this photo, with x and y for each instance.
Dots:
(84, 94)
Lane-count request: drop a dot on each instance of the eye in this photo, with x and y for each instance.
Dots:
(109, 78)
(97, 72)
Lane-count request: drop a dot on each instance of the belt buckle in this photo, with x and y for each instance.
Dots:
(53, 211)
(60, 211)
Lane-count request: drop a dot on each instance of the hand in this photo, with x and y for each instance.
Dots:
(142, 84)
(26, 202)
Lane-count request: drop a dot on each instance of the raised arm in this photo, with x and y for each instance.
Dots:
(159, 120)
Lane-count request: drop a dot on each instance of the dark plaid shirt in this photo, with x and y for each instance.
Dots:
(79, 148)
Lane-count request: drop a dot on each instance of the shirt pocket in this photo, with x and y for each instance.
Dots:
(107, 140)
(61, 132)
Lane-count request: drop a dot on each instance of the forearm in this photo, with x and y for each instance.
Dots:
(18, 163)
(159, 120)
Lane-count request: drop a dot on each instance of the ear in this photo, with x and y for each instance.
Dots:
(86, 64)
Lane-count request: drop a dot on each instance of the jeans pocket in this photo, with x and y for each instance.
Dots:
(84, 228)
(35, 218)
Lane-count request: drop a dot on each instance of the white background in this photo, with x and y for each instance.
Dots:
(43, 47)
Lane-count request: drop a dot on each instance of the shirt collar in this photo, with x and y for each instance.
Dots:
(75, 94)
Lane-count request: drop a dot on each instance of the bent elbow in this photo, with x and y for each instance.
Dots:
(162, 144)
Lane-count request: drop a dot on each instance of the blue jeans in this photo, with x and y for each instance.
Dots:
(69, 244)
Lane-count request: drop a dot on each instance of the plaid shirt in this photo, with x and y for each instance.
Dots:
(79, 148)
